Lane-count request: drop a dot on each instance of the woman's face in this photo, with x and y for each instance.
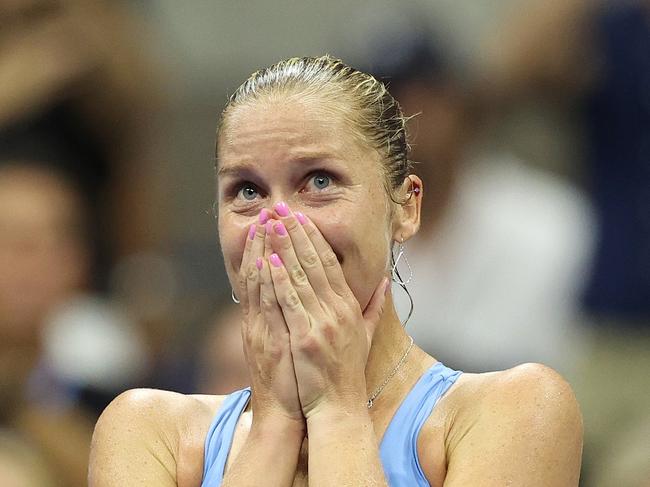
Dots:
(305, 155)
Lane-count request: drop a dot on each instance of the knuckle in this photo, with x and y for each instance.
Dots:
(329, 259)
(291, 224)
(298, 275)
(330, 330)
(345, 294)
(284, 244)
(310, 259)
(241, 280)
(247, 334)
(252, 273)
(267, 302)
(310, 344)
(310, 231)
(340, 313)
(292, 301)
(281, 277)
(275, 353)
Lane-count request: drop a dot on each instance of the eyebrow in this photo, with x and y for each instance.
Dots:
(251, 167)
(235, 169)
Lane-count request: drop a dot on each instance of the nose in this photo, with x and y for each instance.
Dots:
(278, 210)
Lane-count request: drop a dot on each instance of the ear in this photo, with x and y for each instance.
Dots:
(406, 222)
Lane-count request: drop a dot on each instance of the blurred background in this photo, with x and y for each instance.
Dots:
(532, 136)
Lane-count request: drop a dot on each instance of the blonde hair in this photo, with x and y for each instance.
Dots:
(375, 117)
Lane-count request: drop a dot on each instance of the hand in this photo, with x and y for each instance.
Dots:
(330, 335)
(265, 336)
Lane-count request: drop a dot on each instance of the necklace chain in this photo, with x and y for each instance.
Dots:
(374, 395)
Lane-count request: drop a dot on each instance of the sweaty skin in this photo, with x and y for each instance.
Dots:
(320, 335)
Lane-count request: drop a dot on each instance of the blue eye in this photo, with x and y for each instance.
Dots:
(321, 181)
(248, 192)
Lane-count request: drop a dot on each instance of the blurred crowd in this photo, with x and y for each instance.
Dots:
(535, 237)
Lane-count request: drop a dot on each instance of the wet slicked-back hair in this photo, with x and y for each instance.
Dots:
(371, 112)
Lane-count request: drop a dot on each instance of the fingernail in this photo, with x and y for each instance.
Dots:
(386, 286)
(258, 263)
(301, 218)
(280, 229)
(251, 231)
(282, 208)
(264, 216)
(269, 227)
(275, 260)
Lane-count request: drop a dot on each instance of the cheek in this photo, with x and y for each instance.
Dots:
(361, 242)
(232, 238)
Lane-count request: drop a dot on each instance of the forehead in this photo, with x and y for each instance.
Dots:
(288, 127)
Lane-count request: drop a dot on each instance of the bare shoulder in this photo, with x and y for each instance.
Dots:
(521, 425)
(531, 387)
(151, 437)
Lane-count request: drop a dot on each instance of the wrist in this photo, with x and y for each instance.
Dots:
(338, 406)
(343, 414)
(335, 426)
(277, 426)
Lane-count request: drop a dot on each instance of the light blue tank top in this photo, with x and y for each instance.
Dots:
(398, 449)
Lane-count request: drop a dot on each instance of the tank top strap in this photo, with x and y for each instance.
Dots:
(398, 449)
(220, 435)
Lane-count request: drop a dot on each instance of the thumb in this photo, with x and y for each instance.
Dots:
(375, 307)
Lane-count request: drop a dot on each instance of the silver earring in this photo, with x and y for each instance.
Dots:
(395, 275)
(234, 297)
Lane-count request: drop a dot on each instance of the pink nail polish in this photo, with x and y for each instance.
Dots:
(269, 227)
(282, 208)
(258, 263)
(264, 216)
(280, 229)
(275, 260)
(251, 231)
(300, 217)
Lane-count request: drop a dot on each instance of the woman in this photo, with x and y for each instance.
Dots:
(314, 190)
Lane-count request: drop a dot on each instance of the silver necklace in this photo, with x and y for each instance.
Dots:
(373, 396)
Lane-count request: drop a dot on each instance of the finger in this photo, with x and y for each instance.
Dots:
(283, 246)
(375, 308)
(241, 292)
(252, 270)
(242, 286)
(293, 311)
(269, 305)
(303, 248)
(328, 258)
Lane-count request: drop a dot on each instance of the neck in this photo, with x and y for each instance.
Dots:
(389, 344)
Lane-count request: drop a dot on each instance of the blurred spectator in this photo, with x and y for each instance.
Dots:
(43, 263)
(78, 95)
(73, 75)
(500, 257)
(603, 73)
(222, 366)
(21, 465)
(591, 57)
